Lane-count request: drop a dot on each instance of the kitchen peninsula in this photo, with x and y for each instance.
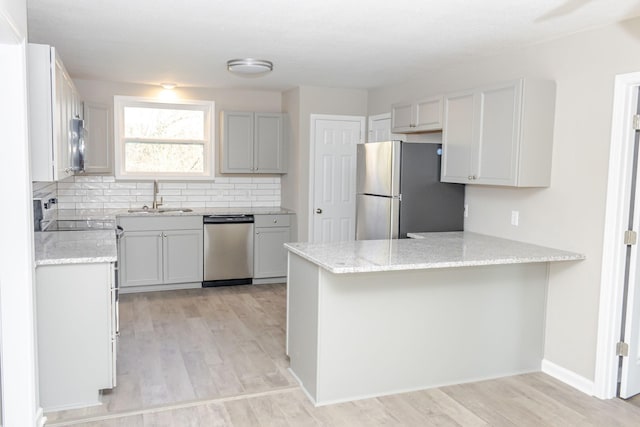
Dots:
(376, 317)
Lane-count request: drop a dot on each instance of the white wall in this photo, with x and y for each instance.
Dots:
(300, 103)
(570, 214)
(290, 190)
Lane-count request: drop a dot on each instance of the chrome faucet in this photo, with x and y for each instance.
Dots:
(155, 196)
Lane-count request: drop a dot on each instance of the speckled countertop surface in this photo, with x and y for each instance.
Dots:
(78, 247)
(425, 250)
(75, 247)
(113, 213)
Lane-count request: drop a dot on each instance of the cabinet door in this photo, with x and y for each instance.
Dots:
(428, 114)
(499, 114)
(458, 138)
(74, 333)
(141, 253)
(98, 139)
(183, 261)
(270, 258)
(237, 142)
(43, 118)
(62, 115)
(269, 143)
(402, 117)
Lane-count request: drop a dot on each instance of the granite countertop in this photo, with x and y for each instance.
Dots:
(101, 214)
(424, 251)
(75, 247)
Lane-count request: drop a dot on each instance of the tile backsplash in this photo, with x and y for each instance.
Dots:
(104, 192)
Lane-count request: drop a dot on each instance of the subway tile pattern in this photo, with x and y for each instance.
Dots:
(104, 192)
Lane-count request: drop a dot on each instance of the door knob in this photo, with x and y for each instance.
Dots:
(318, 211)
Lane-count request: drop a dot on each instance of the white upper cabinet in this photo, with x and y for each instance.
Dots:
(459, 121)
(269, 145)
(53, 102)
(252, 142)
(424, 115)
(98, 139)
(500, 134)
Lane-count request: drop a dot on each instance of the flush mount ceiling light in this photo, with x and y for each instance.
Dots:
(249, 66)
(168, 86)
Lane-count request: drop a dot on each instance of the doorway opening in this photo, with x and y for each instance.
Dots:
(620, 260)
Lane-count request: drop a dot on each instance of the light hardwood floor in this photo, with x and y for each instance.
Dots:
(215, 357)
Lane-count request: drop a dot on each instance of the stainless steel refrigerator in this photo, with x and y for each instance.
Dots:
(399, 191)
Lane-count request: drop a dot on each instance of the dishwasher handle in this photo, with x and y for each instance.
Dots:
(227, 219)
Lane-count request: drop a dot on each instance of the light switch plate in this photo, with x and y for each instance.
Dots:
(515, 218)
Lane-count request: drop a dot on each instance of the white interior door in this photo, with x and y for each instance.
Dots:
(333, 192)
(380, 129)
(630, 375)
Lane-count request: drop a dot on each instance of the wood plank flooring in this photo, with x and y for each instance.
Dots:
(215, 357)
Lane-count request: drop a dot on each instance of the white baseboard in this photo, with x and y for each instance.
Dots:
(41, 420)
(154, 288)
(269, 280)
(568, 377)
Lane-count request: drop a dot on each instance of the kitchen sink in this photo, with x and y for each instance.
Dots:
(160, 210)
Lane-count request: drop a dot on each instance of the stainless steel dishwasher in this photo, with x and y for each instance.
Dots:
(228, 250)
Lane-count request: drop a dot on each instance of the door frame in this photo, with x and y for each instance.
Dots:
(312, 159)
(616, 221)
(18, 354)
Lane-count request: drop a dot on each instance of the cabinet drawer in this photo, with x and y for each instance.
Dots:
(272, 220)
(146, 223)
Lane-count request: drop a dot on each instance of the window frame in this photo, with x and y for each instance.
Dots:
(119, 105)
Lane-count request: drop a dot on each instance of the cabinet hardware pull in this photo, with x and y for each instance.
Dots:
(318, 211)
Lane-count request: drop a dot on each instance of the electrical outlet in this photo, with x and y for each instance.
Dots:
(466, 210)
(515, 218)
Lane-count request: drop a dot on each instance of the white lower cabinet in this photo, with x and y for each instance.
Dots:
(270, 256)
(77, 327)
(157, 251)
(141, 253)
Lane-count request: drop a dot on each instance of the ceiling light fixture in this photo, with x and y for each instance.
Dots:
(168, 86)
(249, 66)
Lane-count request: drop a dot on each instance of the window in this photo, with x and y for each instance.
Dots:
(159, 139)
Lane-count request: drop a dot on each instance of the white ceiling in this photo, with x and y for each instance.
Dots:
(337, 43)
